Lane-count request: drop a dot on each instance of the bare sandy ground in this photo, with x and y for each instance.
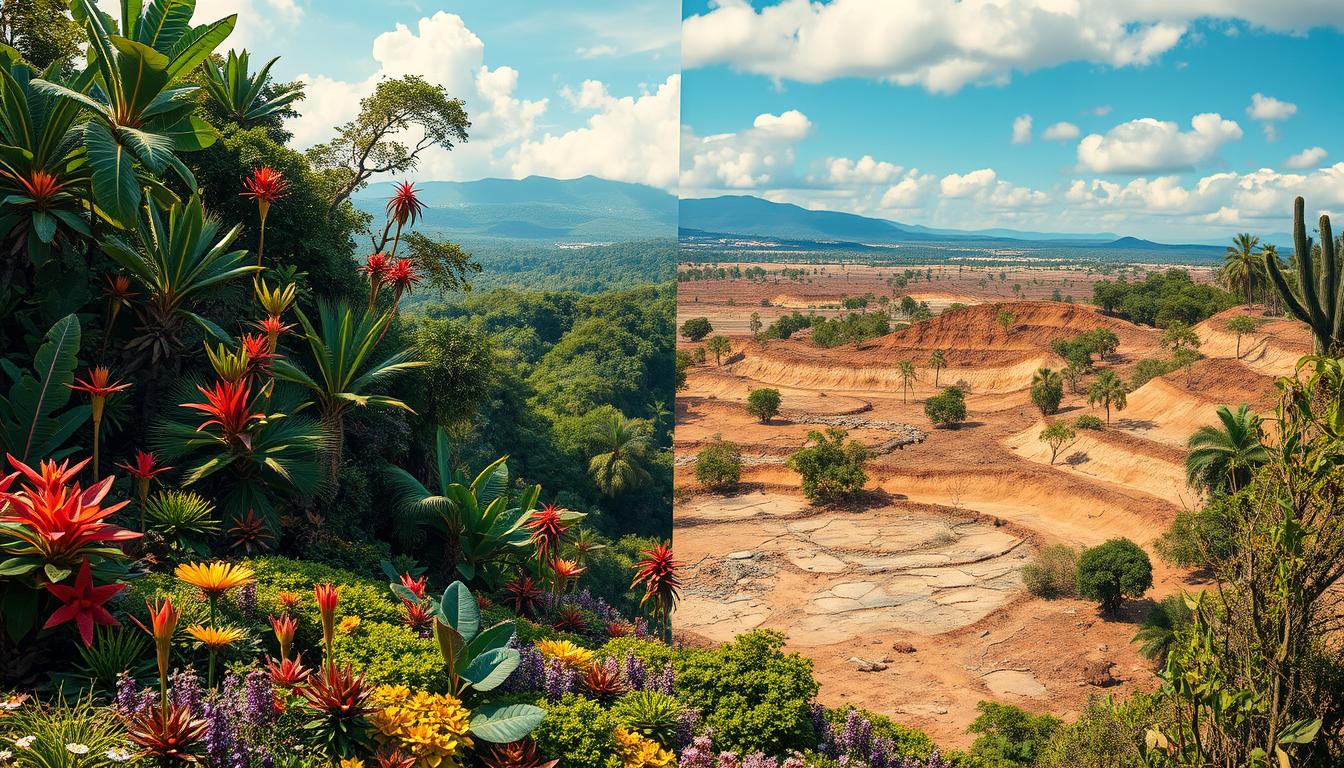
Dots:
(911, 602)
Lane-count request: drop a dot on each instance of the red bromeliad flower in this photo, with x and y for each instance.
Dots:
(41, 187)
(83, 603)
(569, 619)
(547, 528)
(403, 276)
(392, 758)
(163, 618)
(168, 733)
(657, 571)
(376, 268)
(273, 327)
(565, 572)
(405, 207)
(289, 600)
(229, 407)
(416, 618)
(618, 629)
(285, 626)
(517, 754)
(260, 353)
(99, 386)
(417, 586)
(523, 595)
(59, 522)
(337, 693)
(250, 533)
(327, 600)
(289, 673)
(144, 470)
(266, 185)
(118, 288)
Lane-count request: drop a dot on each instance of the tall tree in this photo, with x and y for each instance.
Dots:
(370, 144)
(908, 375)
(1108, 390)
(623, 445)
(937, 361)
(1241, 265)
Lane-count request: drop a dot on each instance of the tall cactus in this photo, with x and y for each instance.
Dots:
(1317, 299)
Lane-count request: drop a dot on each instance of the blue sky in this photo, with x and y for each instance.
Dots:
(785, 99)
(557, 89)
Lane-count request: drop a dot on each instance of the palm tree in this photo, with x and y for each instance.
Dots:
(1225, 458)
(908, 375)
(1047, 377)
(1158, 632)
(341, 347)
(1241, 265)
(937, 361)
(1109, 391)
(619, 465)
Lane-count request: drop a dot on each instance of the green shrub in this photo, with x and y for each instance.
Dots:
(909, 742)
(1107, 733)
(1047, 395)
(1148, 369)
(831, 467)
(751, 694)
(1052, 572)
(719, 464)
(1088, 421)
(696, 328)
(649, 713)
(1110, 572)
(578, 729)
(763, 404)
(1009, 735)
(392, 654)
(1201, 537)
(946, 407)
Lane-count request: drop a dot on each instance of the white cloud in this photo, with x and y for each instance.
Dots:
(841, 171)
(1306, 158)
(910, 192)
(1148, 144)
(1022, 129)
(1264, 195)
(627, 139)
(638, 132)
(755, 157)
(963, 185)
(1100, 111)
(596, 51)
(944, 46)
(258, 20)
(1269, 110)
(1061, 131)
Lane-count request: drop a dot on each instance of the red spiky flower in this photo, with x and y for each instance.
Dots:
(547, 527)
(58, 521)
(569, 619)
(403, 276)
(273, 327)
(517, 754)
(229, 406)
(119, 294)
(565, 571)
(523, 594)
(392, 758)
(168, 733)
(250, 533)
(43, 188)
(260, 353)
(404, 207)
(376, 268)
(327, 599)
(267, 186)
(416, 618)
(145, 469)
(418, 586)
(602, 683)
(657, 571)
(288, 673)
(83, 603)
(99, 386)
(338, 695)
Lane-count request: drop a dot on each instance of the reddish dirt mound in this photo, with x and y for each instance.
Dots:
(1037, 323)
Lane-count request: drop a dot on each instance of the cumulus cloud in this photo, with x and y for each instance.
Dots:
(1148, 144)
(945, 46)
(628, 139)
(911, 192)
(842, 171)
(748, 159)
(965, 184)
(1269, 110)
(1022, 129)
(1061, 131)
(1306, 158)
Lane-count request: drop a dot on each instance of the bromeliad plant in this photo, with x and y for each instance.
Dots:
(477, 661)
(241, 95)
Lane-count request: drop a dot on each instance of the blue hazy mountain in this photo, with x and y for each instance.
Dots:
(753, 217)
(586, 209)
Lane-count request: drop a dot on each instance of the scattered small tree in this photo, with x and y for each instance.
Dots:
(946, 407)
(763, 404)
(719, 464)
(1108, 390)
(1047, 391)
(1087, 421)
(1006, 320)
(696, 328)
(832, 468)
(1110, 572)
(755, 325)
(1242, 325)
(908, 375)
(720, 346)
(1057, 435)
(937, 361)
(699, 355)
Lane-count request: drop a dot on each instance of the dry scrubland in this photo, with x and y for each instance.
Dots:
(932, 561)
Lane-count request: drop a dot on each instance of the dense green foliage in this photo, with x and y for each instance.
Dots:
(1114, 570)
(946, 407)
(719, 464)
(763, 403)
(1010, 735)
(832, 467)
(1161, 298)
(852, 328)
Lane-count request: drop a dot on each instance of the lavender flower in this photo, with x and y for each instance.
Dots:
(559, 680)
(221, 736)
(246, 600)
(688, 722)
(259, 698)
(531, 672)
(698, 754)
(184, 689)
(131, 699)
(635, 673)
(665, 681)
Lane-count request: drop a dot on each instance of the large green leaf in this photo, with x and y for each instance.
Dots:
(503, 723)
(115, 187)
(31, 428)
(487, 671)
(458, 609)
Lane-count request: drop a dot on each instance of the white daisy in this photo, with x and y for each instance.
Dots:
(25, 742)
(117, 755)
(75, 748)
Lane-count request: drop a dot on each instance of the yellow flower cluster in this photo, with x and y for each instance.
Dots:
(348, 624)
(637, 751)
(573, 656)
(432, 728)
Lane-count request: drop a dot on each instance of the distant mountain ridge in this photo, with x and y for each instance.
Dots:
(539, 208)
(744, 215)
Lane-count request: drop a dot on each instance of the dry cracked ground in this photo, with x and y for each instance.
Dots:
(911, 603)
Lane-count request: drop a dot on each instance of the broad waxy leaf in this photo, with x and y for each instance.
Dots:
(503, 723)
